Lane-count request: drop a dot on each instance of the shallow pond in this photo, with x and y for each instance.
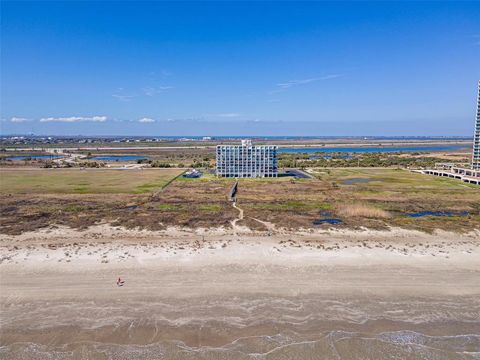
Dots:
(331, 221)
(437, 213)
(355, 180)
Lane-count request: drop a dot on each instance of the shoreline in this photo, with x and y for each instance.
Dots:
(247, 295)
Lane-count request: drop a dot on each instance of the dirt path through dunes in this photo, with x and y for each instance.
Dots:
(240, 217)
(270, 227)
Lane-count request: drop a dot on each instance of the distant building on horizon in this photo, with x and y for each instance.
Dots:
(476, 137)
(246, 160)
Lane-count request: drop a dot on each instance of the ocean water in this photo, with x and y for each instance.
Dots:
(239, 327)
(343, 345)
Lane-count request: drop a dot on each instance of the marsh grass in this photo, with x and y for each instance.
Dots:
(292, 205)
(167, 207)
(209, 207)
(362, 210)
(75, 208)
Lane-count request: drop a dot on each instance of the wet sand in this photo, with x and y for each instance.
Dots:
(325, 295)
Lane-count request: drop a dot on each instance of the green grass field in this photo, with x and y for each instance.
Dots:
(88, 181)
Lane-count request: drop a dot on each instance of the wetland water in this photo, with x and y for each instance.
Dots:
(437, 213)
(353, 181)
(33, 157)
(376, 149)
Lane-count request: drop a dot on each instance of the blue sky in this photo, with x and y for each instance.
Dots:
(250, 68)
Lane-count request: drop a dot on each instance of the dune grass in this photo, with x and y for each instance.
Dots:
(361, 210)
(293, 205)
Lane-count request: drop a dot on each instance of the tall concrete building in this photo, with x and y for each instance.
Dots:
(476, 138)
(247, 160)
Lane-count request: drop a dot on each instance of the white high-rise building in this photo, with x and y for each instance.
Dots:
(476, 137)
(247, 160)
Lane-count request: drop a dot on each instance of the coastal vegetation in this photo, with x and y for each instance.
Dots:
(375, 198)
(339, 160)
(203, 156)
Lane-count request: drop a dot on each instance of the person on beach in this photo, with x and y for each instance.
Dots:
(120, 282)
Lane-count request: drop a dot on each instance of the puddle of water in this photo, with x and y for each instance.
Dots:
(355, 180)
(132, 207)
(331, 221)
(437, 213)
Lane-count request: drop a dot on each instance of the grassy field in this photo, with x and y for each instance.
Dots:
(367, 197)
(90, 181)
(381, 179)
(375, 198)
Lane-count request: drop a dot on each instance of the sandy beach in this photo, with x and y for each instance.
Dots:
(219, 295)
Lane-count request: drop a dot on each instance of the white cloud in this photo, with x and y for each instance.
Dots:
(18, 119)
(73, 119)
(185, 119)
(146, 120)
(228, 115)
(151, 91)
(291, 83)
(123, 97)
